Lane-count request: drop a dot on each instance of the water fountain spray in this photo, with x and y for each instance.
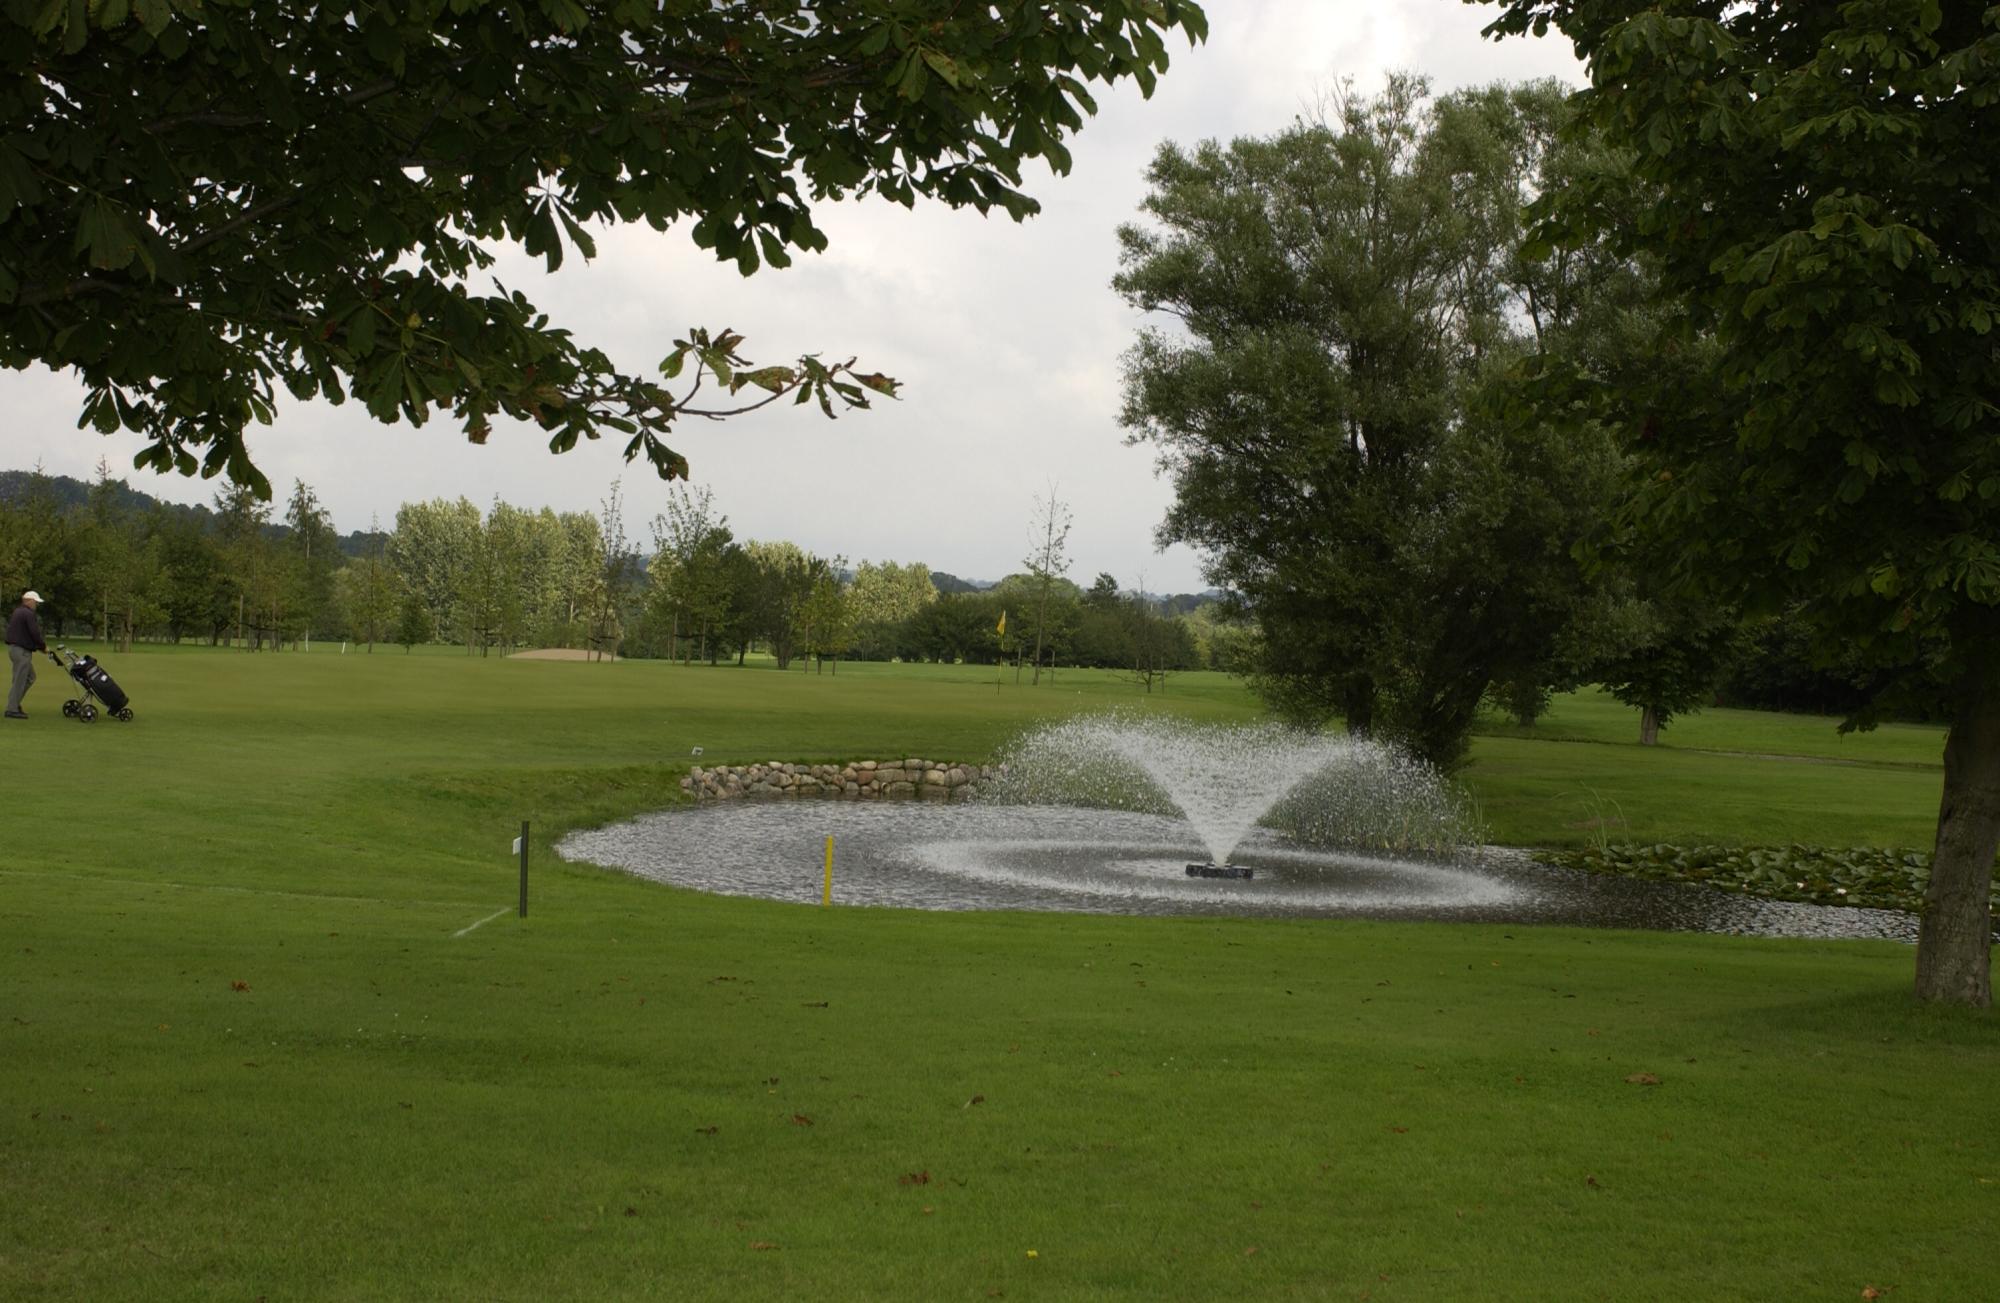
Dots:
(1226, 779)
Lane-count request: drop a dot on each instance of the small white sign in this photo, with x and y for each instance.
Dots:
(696, 751)
(517, 846)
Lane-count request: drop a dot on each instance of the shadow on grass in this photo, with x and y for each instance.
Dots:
(1890, 1017)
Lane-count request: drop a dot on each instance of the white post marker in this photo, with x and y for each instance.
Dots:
(521, 849)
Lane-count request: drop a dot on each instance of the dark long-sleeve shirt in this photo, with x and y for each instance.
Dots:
(25, 629)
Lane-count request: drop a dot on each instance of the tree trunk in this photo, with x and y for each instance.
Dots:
(1360, 707)
(1955, 936)
(1649, 727)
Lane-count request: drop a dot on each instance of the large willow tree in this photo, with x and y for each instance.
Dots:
(1343, 302)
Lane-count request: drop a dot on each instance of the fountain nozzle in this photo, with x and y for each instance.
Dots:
(1242, 871)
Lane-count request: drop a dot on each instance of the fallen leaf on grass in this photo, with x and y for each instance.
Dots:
(1591, 1181)
(239, 986)
(1250, 1252)
(1643, 1079)
(801, 1120)
(928, 1210)
(1872, 1293)
(762, 1244)
(915, 1178)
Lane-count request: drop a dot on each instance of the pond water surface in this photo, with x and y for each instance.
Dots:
(917, 855)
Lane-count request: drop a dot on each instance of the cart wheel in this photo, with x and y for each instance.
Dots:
(69, 709)
(86, 712)
(125, 714)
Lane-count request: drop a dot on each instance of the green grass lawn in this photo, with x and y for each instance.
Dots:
(1739, 777)
(250, 1050)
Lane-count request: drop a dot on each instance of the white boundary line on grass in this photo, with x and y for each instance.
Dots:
(488, 919)
(102, 878)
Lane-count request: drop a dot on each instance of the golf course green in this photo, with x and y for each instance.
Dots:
(272, 1029)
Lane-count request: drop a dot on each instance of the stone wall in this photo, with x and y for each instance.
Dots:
(857, 780)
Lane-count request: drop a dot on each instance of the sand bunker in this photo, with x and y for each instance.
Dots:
(556, 654)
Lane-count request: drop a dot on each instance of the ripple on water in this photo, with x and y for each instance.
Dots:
(1063, 858)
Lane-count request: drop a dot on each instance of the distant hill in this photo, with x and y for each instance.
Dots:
(946, 583)
(1176, 604)
(1182, 603)
(71, 493)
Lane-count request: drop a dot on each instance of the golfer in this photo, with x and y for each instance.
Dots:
(24, 639)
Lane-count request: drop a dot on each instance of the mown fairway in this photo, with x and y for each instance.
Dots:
(245, 1053)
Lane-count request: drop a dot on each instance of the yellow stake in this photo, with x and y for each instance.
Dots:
(826, 894)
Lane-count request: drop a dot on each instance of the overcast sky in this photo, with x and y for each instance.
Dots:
(1006, 337)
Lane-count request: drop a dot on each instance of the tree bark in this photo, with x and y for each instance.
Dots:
(1955, 937)
(1041, 615)
(1649, 727)
(1359, 706)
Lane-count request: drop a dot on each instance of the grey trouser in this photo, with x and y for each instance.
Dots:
(24, 676)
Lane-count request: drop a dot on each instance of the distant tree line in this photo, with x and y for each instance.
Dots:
(117, 565)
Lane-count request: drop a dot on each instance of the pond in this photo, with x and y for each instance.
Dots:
(1070, 859)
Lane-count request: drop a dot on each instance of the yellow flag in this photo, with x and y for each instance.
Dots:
(1002, 630)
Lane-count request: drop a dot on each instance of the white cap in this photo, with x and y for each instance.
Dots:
(31, 596)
